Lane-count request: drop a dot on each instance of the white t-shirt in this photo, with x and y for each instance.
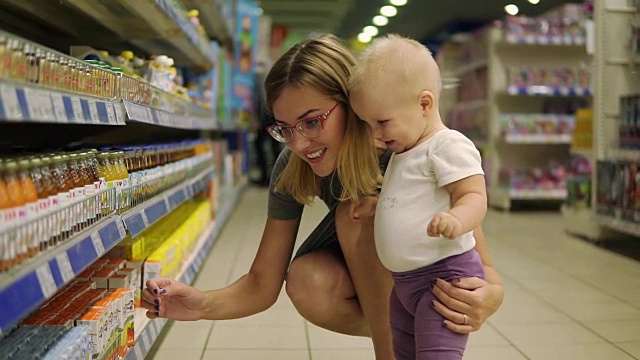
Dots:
(413, 192)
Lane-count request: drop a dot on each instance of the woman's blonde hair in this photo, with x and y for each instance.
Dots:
(324, 64)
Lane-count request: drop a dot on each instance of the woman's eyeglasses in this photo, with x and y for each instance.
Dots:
(308, 128)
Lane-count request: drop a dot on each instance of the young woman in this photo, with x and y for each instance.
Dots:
(335, 280)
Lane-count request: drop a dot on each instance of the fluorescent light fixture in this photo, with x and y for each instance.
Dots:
(380, 20)
(511, 9)
(388, 11)
(370, 30)
(398, 2)
(364, 38)
(534, 2)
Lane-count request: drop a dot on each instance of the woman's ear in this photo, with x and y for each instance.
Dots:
(427, 101)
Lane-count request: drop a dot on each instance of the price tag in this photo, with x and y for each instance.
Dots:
(58, 108)
(146, 341)
(97, 243)
(153, 329)
(65, 267)
(93, 110)
(117, 108)
(145, 220)
(121, 230)
(78, 115)
(111, 114)
(40, 105)
(10, 101)
(138, 352)
(45, 278)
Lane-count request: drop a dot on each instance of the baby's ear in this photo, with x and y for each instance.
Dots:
(427, 101)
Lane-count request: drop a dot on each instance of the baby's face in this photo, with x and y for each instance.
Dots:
(394, 118)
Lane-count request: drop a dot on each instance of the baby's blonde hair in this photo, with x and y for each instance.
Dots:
(395, 57)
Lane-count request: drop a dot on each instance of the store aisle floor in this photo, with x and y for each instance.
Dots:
(564, 299)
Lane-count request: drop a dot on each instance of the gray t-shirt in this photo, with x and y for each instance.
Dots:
(283, 206)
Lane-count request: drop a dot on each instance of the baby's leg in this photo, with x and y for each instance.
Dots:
(402, 329)
(433, 340)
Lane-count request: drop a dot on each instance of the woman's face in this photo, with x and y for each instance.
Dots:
(295, 104)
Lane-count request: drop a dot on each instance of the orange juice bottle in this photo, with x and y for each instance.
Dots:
(77, 196)
(50, 204)
(5, 205)
(106, 175)
(90, 180)
(31, 243)
(44, 188)
(66, 196)
(17, 212)
(59, 200)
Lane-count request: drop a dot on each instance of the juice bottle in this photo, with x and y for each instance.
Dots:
(92, 164)
(44, 188)
(17, 213)
(105, 172)
(31, 244)
(77, 194)
(5, 205)
(51, 203)
(59, 200)
(67, 196)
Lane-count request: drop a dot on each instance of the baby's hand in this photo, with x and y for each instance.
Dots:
(445, 224)
(363, 208)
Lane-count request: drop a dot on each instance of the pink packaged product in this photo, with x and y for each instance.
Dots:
(561, 25)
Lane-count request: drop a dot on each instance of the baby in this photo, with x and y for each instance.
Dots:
(433, 193)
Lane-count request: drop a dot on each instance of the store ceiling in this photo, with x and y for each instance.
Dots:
(425, 20)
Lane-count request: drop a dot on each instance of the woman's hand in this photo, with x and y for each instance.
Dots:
(363, 208)
(167, 298)
(467, 303)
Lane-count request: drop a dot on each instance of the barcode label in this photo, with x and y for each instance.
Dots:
(65, 267)
(97, 243)
(45, 278)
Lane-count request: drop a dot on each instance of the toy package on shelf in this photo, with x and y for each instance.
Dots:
(561, 25)
(554, 177)
(549, 81)
(629, 125)
(579, 182)
(618, 191)
(537, 124)
(472, 122)
(583, 132)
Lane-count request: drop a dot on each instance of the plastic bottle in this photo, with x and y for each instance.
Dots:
(77, 193)
(17, 213)
(30, 243)
(44, 188)
(51, 204)
(5, 205)
(60, 219)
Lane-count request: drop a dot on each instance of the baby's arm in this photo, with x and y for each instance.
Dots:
(469, 199)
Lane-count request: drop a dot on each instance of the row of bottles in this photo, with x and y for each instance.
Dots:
(47, 198)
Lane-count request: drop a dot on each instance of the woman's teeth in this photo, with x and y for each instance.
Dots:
(315, 155)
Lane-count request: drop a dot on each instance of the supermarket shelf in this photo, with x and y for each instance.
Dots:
(147, 331)
(622, 10)
(148, 26)
(626, 154)
(547, 91)
(149, 115)
(26, 103)
(501, 197)
(142, 217)
(23, 291)
(212, 20)
(541, 40)
(623, 226)
(582, 221)
(537, 138)
(622, 61)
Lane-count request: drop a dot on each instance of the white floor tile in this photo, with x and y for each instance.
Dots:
(229, 337)
(320, 338)
(177, 354)
(344, 354)
(256, 354)
(616, 330)
(632, 348)
(548, 334)
(503, 352)
(575, 351)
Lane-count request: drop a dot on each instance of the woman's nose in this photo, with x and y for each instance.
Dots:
(299, 142)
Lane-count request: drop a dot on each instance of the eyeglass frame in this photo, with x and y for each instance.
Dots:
(322, 118)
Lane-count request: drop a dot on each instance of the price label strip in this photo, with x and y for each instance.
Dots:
(78, 113)
(93, 110)
(59, 108)
(65, 267)
(138, 352)
(10, 103)
(45, 278)
(97, 243)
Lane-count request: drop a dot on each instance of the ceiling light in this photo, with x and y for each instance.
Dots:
(380, 20)
(511, 9)
(534, 2)
(370, 30)
(364, 38)
(388, 11)
(398, 2)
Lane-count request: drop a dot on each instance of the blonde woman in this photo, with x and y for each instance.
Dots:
(335, 280)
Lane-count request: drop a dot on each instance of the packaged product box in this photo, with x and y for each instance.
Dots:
(137, 279)
(94, 319)
(133, 277)
(119, 281)
(116, 263)
(128, 311)
(101, 277)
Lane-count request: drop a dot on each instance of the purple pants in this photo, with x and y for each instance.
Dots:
(418, 330)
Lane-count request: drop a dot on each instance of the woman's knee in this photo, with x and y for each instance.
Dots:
(316, 280)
